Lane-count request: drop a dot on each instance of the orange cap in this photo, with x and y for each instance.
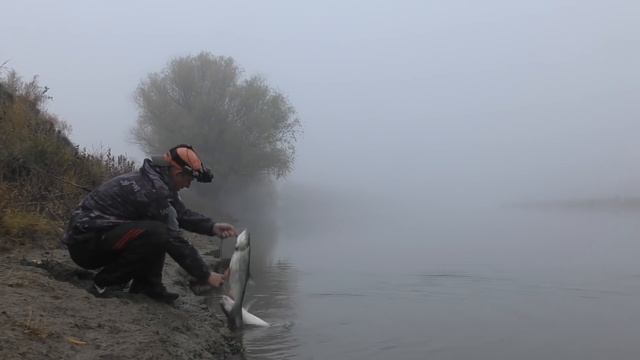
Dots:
(183, 156)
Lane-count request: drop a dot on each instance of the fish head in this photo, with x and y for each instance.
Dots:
(227, 303)
(234, 318)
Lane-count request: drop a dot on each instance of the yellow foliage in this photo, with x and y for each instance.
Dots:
(19, 224)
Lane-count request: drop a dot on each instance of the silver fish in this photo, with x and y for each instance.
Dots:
(238, 277)
(247, 317)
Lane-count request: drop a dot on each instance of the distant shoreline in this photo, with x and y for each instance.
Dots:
(595, 204)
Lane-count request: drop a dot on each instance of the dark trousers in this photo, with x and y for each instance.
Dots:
(134, 250)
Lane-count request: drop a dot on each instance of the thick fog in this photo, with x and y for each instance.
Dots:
(416, 114)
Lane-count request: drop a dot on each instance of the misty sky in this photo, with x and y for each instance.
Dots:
(421, 119)
(505, 100)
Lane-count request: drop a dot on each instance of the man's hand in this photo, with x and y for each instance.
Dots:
(215, 279)
(224, 230)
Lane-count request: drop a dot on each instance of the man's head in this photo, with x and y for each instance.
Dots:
(184, 166)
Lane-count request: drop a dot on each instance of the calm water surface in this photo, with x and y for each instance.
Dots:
(535, 286)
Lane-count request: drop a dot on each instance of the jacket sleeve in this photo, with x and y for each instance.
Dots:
(181, 250)
(191, 220)
(188, 258)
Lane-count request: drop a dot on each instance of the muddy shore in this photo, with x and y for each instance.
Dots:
(46, 312)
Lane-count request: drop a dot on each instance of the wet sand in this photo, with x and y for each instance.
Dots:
(46, 312)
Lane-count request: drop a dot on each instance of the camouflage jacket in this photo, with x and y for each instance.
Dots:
(142, 195)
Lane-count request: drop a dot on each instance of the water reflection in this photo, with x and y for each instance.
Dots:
(463, 311)
(271, 297)
(507, 285)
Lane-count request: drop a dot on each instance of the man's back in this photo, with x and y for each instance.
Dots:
(128, 197)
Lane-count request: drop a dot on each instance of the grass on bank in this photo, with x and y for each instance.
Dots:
(41, 170)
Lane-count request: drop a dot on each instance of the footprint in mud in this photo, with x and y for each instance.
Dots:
(73, 275)
(62, 272)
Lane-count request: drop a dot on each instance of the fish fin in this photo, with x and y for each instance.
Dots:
(251, 319)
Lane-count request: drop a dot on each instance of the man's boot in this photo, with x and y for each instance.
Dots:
(155, 291)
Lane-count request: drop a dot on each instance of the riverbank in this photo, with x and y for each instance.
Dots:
(46, 312)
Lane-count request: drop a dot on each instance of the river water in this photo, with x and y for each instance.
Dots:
(503, 283)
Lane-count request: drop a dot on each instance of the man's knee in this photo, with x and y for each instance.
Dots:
(140, 234)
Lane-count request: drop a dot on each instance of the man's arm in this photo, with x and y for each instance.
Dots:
(188, 258)
(192, 220)
(181, 250)
(198, 223)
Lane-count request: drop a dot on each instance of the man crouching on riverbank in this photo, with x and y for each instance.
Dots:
(127, 224)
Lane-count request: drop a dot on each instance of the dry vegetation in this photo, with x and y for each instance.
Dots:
(47, 312)
(42, 174)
